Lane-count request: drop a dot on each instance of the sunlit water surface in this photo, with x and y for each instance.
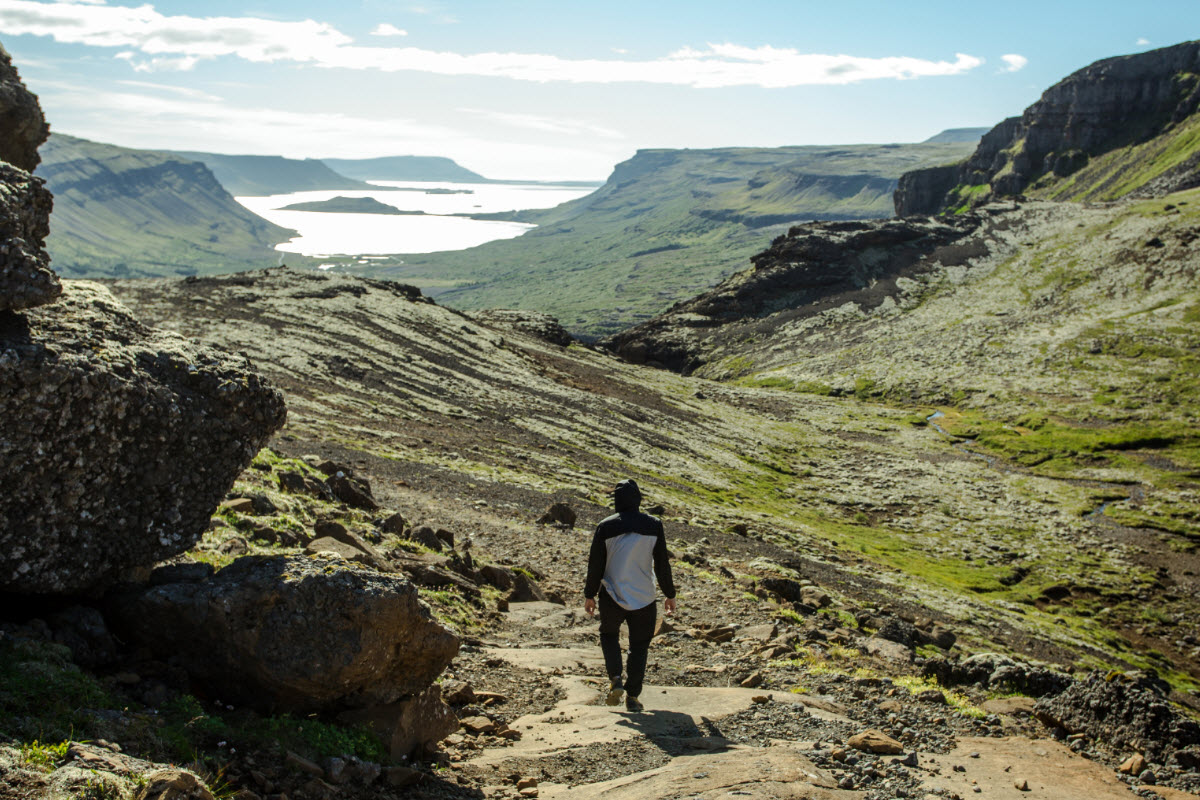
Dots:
(324, 233)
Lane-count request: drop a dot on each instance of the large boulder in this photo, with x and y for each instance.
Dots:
(117, 443)
(293, 633)
(25, 276)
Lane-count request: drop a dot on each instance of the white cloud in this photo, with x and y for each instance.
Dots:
(1013, 62)
(179, 64)
(563, 127)
(1142, 41)
(180, 90)
(173, 39)
(133, 119)
(388, 29)
(154, 34)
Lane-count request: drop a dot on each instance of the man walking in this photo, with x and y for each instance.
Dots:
(628, 551)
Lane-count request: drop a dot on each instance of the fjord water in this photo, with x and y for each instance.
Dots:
(329, 233)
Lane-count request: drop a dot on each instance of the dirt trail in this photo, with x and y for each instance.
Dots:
(583, 749)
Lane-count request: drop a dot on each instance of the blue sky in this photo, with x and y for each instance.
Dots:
(548, 90)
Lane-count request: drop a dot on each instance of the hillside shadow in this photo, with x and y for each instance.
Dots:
(676, 733)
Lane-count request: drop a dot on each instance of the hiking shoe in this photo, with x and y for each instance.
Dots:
(633, 704)
(615, 690)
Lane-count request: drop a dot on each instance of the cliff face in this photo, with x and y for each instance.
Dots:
(923, 190)
(1121, 102)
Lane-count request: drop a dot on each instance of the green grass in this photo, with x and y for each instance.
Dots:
(191, 730)
(955, 699)
(44, 696)
(42, 756)
(457, 612)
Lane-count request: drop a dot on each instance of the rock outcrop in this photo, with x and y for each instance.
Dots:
(26, 280)
(293, 633)
(998, 673)
(20, 118)
(1124, 710)
(535, 323)
(25, 276)
(814, 268)
(1113, 103)
(119, 441)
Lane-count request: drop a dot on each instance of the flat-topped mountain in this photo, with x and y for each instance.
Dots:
(263, 175)
(125, 212)
(666, 225)
(404, 168)
(1119, 126)
(969, 135)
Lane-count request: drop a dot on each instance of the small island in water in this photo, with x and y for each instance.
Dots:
(348, 205)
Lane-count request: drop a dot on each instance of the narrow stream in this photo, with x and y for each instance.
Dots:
(963, 445)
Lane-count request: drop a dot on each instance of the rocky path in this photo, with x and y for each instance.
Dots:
(730, 741)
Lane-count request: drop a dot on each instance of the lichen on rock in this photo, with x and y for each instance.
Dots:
(118, 441)
(26, 279)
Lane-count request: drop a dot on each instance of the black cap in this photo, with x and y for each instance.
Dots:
(626, 495)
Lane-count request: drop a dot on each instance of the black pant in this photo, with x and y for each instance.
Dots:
(641, 631)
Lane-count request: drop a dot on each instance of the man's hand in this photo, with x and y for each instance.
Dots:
(589, 606)
(669, 606)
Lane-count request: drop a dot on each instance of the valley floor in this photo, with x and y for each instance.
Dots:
(477, 427)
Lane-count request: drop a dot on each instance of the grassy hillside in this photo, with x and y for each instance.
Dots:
(129, 213)
(666, 225)
(263, 175)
